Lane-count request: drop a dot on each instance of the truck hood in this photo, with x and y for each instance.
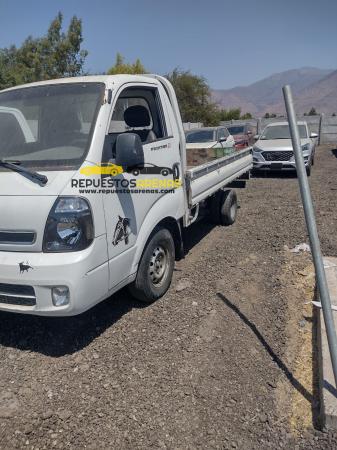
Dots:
(195, 145)
(13, 183)
(278, 144)
(25, 206)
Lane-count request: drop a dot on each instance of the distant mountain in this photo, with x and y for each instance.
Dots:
(266, 95)
(321, 95)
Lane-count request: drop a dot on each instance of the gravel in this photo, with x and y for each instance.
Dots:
(201, 368)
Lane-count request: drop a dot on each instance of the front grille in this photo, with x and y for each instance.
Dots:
(278, 156)
(17, 237)
(17, 294)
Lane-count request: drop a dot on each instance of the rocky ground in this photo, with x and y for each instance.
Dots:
(225, 360)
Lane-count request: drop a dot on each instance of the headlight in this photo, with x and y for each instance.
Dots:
(257, 149)
(305, 147)
(69, 226)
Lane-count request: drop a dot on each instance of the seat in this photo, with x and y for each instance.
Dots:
(138, 116)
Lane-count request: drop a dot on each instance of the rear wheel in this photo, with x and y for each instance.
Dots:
(229, 208)
(155, 269)
(223, 207)
(308, 170)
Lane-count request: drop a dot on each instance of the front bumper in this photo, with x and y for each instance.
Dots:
(260, 163)
(85, 273)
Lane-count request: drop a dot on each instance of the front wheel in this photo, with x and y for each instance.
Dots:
(155, 269)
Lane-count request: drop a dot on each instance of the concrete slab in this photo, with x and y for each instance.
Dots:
(328, 391)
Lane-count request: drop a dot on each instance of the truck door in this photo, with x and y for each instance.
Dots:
(137, 109)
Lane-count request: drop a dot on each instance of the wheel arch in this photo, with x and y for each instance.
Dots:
(163, 214)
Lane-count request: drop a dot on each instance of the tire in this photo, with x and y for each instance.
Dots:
(153, 278)
(229, 208)
(215, 207)
(164, 172)
(135, 172)
(223, 207)
(308, 170)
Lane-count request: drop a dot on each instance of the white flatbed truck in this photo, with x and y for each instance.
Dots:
(100, 194)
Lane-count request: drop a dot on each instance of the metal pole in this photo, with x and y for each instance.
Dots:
(312, 229)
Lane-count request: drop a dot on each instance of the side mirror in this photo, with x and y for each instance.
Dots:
(129, 150)
(314, 135)
(223, 139)
(256, 137)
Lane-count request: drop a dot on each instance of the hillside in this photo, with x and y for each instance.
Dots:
(266, 94)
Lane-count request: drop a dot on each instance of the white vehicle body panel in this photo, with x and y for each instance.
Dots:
(101, 269)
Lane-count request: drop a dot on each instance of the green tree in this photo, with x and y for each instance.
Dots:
(55, 55)
(246, 116)
(121, 66)
(269, 115)
(194, 97)
(312, 112)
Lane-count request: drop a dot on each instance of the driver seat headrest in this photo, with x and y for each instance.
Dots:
(137, 116)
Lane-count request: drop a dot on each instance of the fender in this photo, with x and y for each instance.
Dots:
(167, 206)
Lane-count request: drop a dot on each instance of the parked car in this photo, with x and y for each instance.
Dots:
(273, 149)
(210, 137)
(65, 244)
(243, 135)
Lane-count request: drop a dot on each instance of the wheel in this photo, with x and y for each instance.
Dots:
(135, 172)
(308, 170)
(229, 208)
(164, 172)
(113, 173)
(223, 207)
(155, 268)
(215, 207)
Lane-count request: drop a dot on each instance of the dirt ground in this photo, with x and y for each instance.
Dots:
(225, 360)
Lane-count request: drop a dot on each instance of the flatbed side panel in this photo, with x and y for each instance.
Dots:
(205, 182)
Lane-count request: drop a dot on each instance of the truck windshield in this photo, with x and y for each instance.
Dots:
(282, 132)
(49, 127)
(200, 136)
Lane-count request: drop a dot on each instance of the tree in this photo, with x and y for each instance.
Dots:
(55, 55)
(121, 67)
(312, 112)
(246, 116)
(269, 115)
(194, 97)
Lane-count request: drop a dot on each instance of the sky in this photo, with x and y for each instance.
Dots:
(230, 43)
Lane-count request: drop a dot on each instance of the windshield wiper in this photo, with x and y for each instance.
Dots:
(15, 166)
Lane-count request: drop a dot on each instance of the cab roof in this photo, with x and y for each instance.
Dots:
(106, 79)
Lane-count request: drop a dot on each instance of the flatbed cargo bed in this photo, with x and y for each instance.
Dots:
(207, 178)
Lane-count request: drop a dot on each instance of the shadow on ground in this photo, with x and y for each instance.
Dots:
(274, 174)
(311, 398)
(59, 336)
(196, 233)
(334, 152)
